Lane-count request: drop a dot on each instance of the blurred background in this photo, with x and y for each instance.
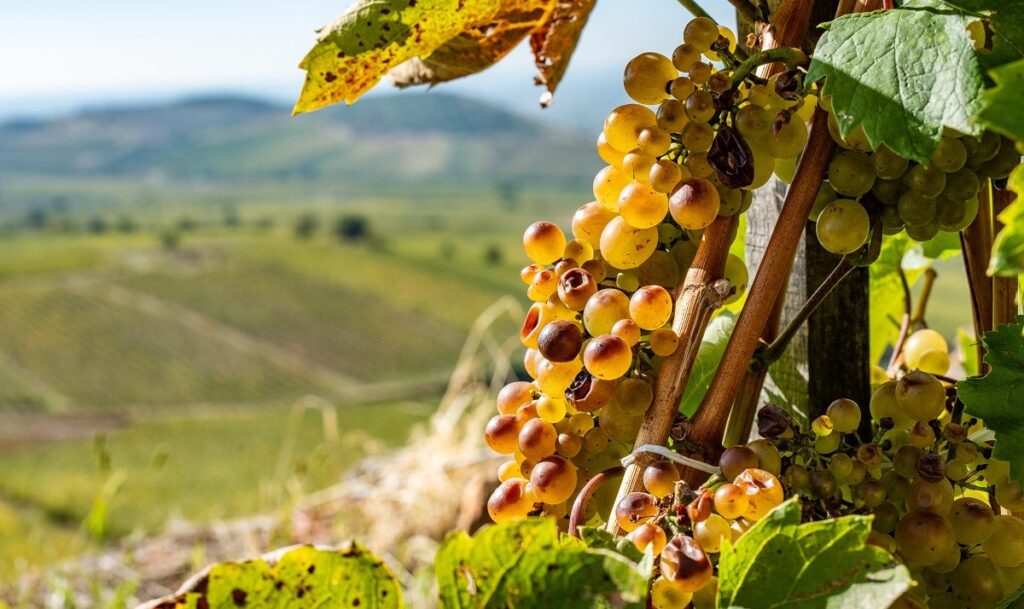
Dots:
(209, 309)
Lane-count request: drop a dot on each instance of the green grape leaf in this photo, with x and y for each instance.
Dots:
(478, 48)
(1013, 600)
(1002, 111)
(529, 565)
(554, 43)
(1005, 22)
(302, 577)
(782, 563)
(354, 52)
(967, 342)
(599, 539)
(997, 396)
(709, 354)
(1008, 249)
(902, 75)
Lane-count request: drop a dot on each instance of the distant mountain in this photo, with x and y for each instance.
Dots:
(408, 137)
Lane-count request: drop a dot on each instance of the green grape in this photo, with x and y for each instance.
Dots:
(754, 123)
(709, 533)
(892, 224)
(660, 269)
(886, 517)
(845, 415)
(701, 32)
(785, 169)
(920, 342)
(595, 441)
(856, 140)
(698, 166)
(927, 496)
(888, 164)
(707, 596)
(872, 493)
(851, 173)
(841, 467)
(954, 215)
(916, 210)
(977, 583)
(764, 167)
(826, 194)
(923, 233)
(787, 140)
(647, 76)
(1000, 166)
(684, 251)
(822, 426)
(981, 149)
(737, 275)
(925, 180)
(768, 457)
(937, 572)
(962, 184)
(700, 106)
(972, 520)
(921, 435)
(921, 396)
(626, 247)
(924, 538)
(1009, 494)
(843, 226)
(731, 200)
(950, 155)
(1005, 544)
(957, 469)
(627, 281)
(904, 461)
(618, 424)
(826, 445)
(823, 484)
(607, 357)
(887, 191)
(697, 137)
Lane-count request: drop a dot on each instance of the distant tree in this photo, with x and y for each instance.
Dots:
(187, 223)
(126, 224)
(96, 225)
(352, 227)
(493, 255)
(37, 218)
(508, 194)
(448, 250)
(170, 239)
(306, 225)
(231, 217)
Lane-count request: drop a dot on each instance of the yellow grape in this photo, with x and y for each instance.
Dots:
(729, 36)
(502, 434)
(550, 409)
(568, 445)
(607, 357)
(626, 247)
(700, 106)
(763, 490)
(934, 362)
(635, 509)
(537, 439)
(701, 32)
(637, 164)
(648, 534)
(575, 288)
(553, 480)
(843, 226)
(543, 286)
(554, 377)
(697, 137)
(607, 153)
(695, 203)
(654, 141)
(684, 563)
(647, 76)
(884, 405)
(577, 251)
(921, 396)
(698, 166)
(642, 206)
(671, 114)
(508, 470)
(924, 538)
(627, 330)
(544, 242)
(768, 457)
(588, 222)
(604, 308)
(1005, 545)
(709, 533)
(919, 343)
(608, 183)
(660, 478)
(667, 595)
(664, 341)
(731, 501)
(664, 175)
(623, 125)
(684, 56)
(514, 395)
(510, 501)
(650, 307)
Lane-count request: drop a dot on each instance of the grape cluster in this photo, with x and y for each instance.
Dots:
(929, 486)
(600, 322)
(867, 185)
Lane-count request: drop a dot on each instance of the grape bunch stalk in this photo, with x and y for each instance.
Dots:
(600, 323)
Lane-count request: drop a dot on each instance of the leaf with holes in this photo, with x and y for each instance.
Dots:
(902, 74)
(301, 577)
(997, 396)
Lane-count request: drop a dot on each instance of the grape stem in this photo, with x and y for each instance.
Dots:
(789, 56)
(744, 7)
(579, 506)
(917, 319)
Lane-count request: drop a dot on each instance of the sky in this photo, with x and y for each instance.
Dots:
(58, 56)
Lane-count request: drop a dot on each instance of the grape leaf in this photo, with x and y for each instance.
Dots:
(479, 47)
(1002, 111)
(902, 74)
(554, 43)
(528, 565)
(373, 36)
(782, 563)
(996, 397)
(1008, 249)
(1005, 21)
(299, 578)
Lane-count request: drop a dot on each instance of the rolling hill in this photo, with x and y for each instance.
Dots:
(406, 138)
